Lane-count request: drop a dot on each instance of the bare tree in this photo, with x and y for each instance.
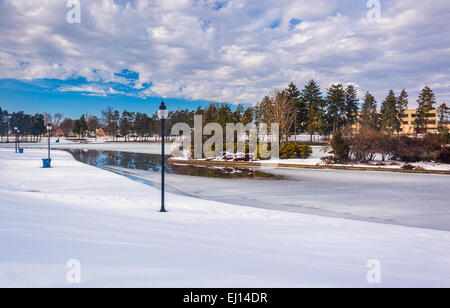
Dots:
(66, 126)
(281, 111)
(92, 124)
(56, 119)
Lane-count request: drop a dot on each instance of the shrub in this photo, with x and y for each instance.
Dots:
(341, 147)
(293, 150)
(442, 139)
(363, 146)
(408, 167)
(444, 155)
(409, 149)
(209, 153)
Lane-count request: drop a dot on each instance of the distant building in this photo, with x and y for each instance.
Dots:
(408, 118)
(101, 132)
(408, 125)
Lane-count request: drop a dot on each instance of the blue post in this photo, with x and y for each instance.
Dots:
(46, 163)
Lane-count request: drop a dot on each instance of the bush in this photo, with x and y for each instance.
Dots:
(293, 150)
(408, 167)
(444, 155)
(341, 147)
(438, 138)
(363, 146)
(209, 153)
(409, 149)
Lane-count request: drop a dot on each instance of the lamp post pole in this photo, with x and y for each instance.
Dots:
(162, 115)
(49, 129)
(163, 163)
(15, 139)
(7, 132)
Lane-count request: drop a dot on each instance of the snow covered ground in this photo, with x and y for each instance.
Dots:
(145, 148)
(111, 225)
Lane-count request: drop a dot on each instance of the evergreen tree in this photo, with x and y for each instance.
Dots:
(18, 120)
(369, 115)
(3, 123)
(126, 124)
(426, 102)
(107, 118)
(210, 114)
(247, 116)
(336, 106)
(402, 102)
(77, 127)
(83, 125)
(340, 146)
(443, 113)
(262, 110)
(80, 126)
(225, 115)
(237, 114)
(115, 124)
(294, 96)
(312, 121)
(389, 113)
(351, 105)
(37, 127)
(139, 124)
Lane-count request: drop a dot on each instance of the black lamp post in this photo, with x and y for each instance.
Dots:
(49, 129)
(18, 140)
(15, 141)
(163, 114)
(16, 132)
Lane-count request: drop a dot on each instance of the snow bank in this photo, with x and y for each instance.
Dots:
(111, 225)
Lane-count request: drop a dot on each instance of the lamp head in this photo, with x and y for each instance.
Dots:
(49, 127)
(163, 114)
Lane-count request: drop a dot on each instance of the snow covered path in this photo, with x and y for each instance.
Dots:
(111, 225)
(145, 148)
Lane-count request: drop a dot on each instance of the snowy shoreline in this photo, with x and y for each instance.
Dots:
(155, 148)
(422, 168)
(111, 225)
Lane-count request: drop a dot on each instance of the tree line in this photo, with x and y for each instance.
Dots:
(32, 126)
(305, 111)
(309, 111)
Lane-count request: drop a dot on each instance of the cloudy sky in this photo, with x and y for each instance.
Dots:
(130, 53)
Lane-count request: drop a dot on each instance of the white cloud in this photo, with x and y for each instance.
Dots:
(195, 50)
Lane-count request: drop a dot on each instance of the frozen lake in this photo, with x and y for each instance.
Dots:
(393, 198)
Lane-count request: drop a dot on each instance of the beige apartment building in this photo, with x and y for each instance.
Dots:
(407, 122)
(408, 118)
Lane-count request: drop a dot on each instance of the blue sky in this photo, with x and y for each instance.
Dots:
(129, 54)
(74, 97)
(16, 95)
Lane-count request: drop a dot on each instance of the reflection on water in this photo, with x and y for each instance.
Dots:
(152, 162)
